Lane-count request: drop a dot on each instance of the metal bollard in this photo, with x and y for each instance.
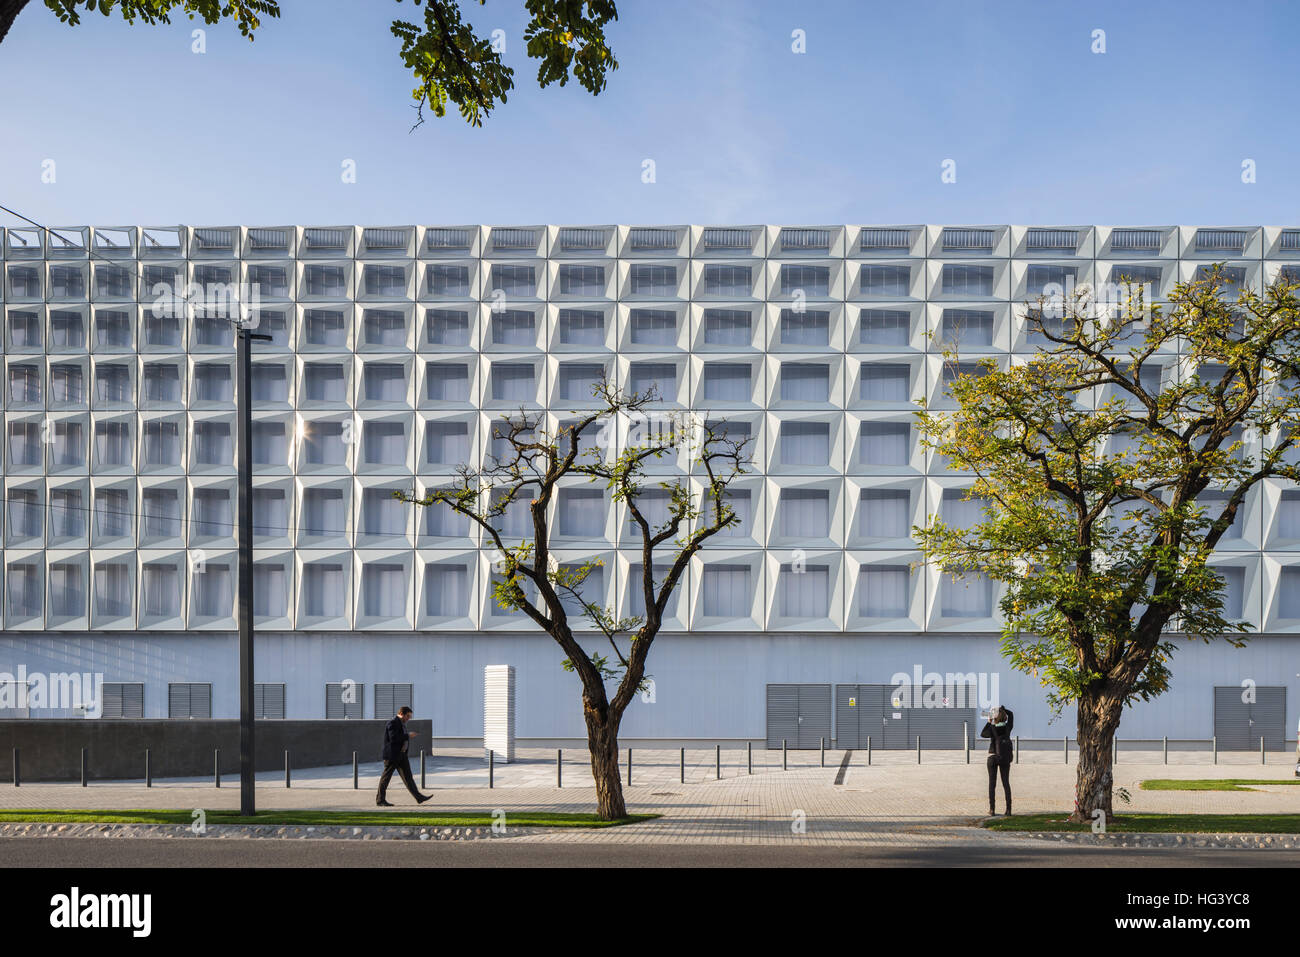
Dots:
(1017, 749)
(683, 765)
(492, 768)
(287, 782)
(823, 752)
(1114, 751)
(629, 767)
(17, 781)
(868, 750)
(718, 759)
(1165, 748)
(918, 749)
(1262, 759)
(749, 756)
(1214, 747)
(965, 736)
(1065, 747)
(83, 767)
(148, 769)
(423, 780)
(784, 752)
(559, 767)
(355, 775)
(216, 768)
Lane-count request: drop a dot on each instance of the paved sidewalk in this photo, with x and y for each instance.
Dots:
(890, 802)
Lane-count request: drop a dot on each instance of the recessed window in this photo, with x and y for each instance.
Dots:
(805, 382)
(727, 327)
(726, 590)
(447, 327)
(804, 513)
(884, 443)
(884, 513)
(653, 327)
(885, 382)
(447, 279)
(727, 381)
(447, 382)
(884, 327)
(959, 280)
(582, 327)
(809, 327)
(805, 443)
(803, 591)
(883, 591)
(652, 280)
(806, 279)
(578, 280)
(885, 280)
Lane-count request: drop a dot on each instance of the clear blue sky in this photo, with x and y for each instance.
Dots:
(741, 129)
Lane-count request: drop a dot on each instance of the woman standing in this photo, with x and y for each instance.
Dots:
(998, 731)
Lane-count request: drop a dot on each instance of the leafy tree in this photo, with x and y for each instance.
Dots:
(533, 463)
(451, 63)
(1092, 470)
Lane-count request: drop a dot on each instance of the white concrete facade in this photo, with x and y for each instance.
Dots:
(396, 349)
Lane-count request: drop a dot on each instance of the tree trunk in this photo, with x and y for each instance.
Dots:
(1099, 715)
(602, 740)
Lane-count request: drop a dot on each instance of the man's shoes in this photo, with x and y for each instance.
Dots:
(423, 797)
(382, 804)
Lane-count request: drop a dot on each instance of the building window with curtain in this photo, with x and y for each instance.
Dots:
(513, 280)
(966, 328)
(726, 591)
(582, 327)
(804, 513)
(213, 514)
(883, 591)
(447, 382)
(727, 327)
(212, 444)
(385, 382)
(163, 332)
(270, 590)
(323, 513)
(25, 514)
(884, 443)
(885, 280)
(112, 590)
(804, 593)
(323, 444)
(581, 512)
(811, 327)
(24, 586)
(810, 280)
(379, 280)
(727, 381)
(884, 327)
(447, 327)
(884, 513)
(325, 327)
(323, 590)
(805, 382)
(652, 280)
(805, 443)
(958, 280)
(579, 280)
(661, 376)
(969, 596)
(446, 443)
(446, 590)
(384, 443)
(161, 513)
(514, 382)
(113, 444)
(160, 591)
(67, 513)
(653, 327)
(381, 513)
(162, 445)
(213, 591)
(737, 281)
(514, 327)
(885, 382)
(383, 590)
(69, 449)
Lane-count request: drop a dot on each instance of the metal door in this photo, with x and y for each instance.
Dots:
(799, 715)
(1240, 719)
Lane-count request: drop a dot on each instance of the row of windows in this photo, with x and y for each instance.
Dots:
(859, 443)
(454, 589)
(499, 281)
(193, 699)
(813, 514)
(313, 242)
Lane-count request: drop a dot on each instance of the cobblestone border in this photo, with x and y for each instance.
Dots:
(254, 831)
(1235, 841)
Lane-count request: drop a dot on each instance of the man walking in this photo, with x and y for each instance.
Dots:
(396, 738)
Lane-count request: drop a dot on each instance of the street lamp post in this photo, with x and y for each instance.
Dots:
(244, 454)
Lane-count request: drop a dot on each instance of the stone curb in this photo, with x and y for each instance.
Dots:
(1234, 841)
(253, 831)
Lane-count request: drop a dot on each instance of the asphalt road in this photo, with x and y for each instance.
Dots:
(145, 852)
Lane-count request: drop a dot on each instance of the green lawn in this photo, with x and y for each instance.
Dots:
(320, 818)
(1211, 784)
(1157, 823)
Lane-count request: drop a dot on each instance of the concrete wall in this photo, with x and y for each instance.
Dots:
(50, 749)
(707, 686)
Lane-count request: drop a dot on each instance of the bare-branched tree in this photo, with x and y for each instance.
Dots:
(532, 464)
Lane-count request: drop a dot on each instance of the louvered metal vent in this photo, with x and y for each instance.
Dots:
(885, 239)
(1065, 239)
(1220, 240)
(447, 239)
(390, 697)
(384, 238)
(1135, 239)
(572, 240)
(728, 239)
(968, 239)
(514, 238)
(643, 238)
(273, 240)
(1291, 239)
(805, 239)
(214, 238)
(326, 238)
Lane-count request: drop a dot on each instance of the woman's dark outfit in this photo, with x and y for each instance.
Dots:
(999, 759)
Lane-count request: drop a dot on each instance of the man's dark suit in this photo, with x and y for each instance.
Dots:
(395, 759)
